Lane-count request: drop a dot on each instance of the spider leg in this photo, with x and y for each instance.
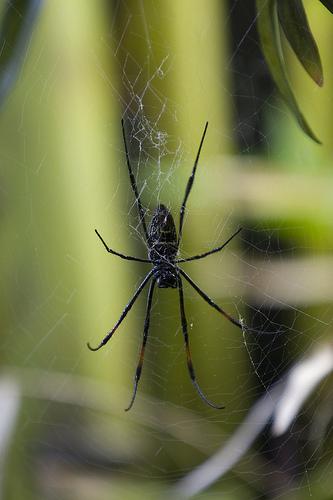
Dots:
(144, 341)
(134, 186)
(127, 257)
(214, 250)
(189, 186)
(210, 301)
(188, 352)
(123, 314)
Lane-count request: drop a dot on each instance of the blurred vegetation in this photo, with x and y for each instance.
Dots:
(166, 68)
(290, 17)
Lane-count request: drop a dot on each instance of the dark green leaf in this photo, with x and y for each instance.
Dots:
(297, 30)
(328, 4)
(269, 32)
(15, 30)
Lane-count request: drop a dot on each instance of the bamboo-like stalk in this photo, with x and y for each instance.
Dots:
(63, 166)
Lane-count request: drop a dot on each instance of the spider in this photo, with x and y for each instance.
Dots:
(163, 246)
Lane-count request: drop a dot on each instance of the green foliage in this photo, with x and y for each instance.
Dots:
(291, 16)
(295, 25)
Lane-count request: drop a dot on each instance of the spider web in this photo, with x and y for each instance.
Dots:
(71, 425)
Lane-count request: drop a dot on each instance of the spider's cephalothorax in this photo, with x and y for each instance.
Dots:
(162, 242)
(162, 247)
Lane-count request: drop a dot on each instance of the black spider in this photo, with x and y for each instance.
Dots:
(163, 246)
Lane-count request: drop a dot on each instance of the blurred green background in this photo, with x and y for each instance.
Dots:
(166, 68)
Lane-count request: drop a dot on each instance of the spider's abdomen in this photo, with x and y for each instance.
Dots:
(162, 236)
(162, 247)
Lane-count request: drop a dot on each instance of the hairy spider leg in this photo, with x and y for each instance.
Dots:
(214, 250)
(144, 342)
(126, 257)
(210, 301)
(134, 186)
(188, 352)
(124, 313)
(189, 186)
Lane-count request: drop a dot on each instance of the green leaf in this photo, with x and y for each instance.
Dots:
(269, 32)
(297, 30)
(15, 31)
(328, 4)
